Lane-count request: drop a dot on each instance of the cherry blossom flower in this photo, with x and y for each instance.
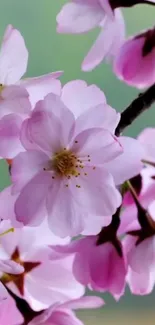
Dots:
(140, 71)
(63, 314)
(81, 16)
(66, 166)
(43, 281)
(99, 261)
(9, 314)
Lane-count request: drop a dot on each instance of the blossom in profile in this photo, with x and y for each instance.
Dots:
(99, 261)
(81, 16)
(63, 313)
(135, 61)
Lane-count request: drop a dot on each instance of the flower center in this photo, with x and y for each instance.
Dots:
(64, 163)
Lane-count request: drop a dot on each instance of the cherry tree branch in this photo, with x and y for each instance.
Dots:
(136, 108)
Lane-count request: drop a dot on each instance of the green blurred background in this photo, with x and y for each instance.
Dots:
(48, 51)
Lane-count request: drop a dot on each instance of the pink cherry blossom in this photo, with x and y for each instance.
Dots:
(81, 16)
(101, 266)
(9, 314)
(63, 314)
(43, 281)
(66, 170)
(134, 64)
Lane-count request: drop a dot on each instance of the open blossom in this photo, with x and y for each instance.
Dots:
(9, 314)
(67, 162)
(43, 281)
(135, 61)
(66, 170)
(62, 313)
(81, 16)
(17, 97)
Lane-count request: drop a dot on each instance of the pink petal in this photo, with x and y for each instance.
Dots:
(146, 138)
(129, 163)
(140, 71)
(41, 86)
(11, 267)
(32, 198)
(79, 97)
(14, 99)
(25, 166)
(98, 116)
(97, 194)
(108, 270)
(78, 18)
(107, 43)
(47, 126)
(60, 199)
(140, 283)
(7, 210)
(97, 144)
(93, 228)
(10, 144)
(13, 56)
(136, 255)
(85, 302)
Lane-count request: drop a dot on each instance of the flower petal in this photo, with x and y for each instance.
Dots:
(96, 146)
(129, 163)
(14, 99)
(32, 198)
(79, 97)
(98, 116)
(78, 18)
(25, 166)
(107, 43)
(13, 56)
(39, 87)
(10, 144)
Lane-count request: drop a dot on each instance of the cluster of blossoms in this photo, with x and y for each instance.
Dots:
(80, 211)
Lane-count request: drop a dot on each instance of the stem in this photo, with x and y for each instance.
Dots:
(137, 107)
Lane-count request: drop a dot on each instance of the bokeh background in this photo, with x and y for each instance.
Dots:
(49, 51)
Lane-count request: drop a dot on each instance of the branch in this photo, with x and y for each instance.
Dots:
(137, 107)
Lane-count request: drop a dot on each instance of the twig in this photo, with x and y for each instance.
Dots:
(136, 108)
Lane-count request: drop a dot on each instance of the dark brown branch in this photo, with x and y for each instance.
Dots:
(136, 108)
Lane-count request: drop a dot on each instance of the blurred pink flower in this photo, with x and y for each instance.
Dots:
(81, 16)
(9, 314)
(43, 282)
(62, 313)
(135, 61)
(101, 266)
